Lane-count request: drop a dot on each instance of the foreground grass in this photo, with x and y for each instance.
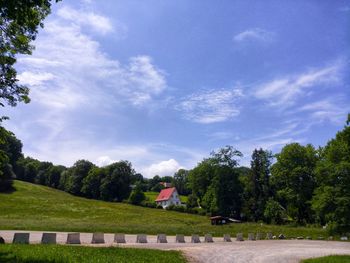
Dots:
(328, 259)
(79, 254)
(152, 196)
(35, 207)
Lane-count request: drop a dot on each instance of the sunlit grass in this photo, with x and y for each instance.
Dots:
(79, 254)
(35, 207)
(328, 259)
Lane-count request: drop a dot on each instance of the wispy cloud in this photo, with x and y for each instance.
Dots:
(98, 23)
(333, 109)
(211, 106)
(283, 92)
(71, 80)
(254, 34)
(69, 69)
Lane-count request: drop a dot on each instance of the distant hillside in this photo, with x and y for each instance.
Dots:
(35, 207)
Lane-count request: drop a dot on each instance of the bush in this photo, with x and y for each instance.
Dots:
(274, 213)
(137, 195)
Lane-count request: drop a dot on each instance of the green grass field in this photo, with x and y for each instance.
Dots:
(35, 207)
(328, 259)
(151, 196)
(79, 254)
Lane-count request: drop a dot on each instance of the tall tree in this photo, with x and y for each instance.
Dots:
(92, 183)
(19, 24)
(10, 152)
(257, 188)
(180, 181)
(78, 172)
(215, 182)
(115, 186)
(293, 179)
(331, 200)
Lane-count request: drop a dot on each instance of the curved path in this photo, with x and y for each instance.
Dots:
(263, 251)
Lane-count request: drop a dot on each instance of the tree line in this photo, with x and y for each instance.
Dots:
(301, 184)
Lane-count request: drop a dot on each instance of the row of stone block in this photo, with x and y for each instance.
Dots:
(98, 238)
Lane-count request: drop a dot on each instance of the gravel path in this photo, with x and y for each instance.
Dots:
(263, 251)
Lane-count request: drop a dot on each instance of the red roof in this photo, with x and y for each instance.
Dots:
(165, 194)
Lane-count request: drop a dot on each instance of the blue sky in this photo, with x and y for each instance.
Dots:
(163, 83)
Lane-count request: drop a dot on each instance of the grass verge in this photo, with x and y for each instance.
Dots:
(328, 259)
(79, 254)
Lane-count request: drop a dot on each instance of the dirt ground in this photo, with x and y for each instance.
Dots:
(262, 251)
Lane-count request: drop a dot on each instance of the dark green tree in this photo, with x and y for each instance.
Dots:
(64, 180)
(78, 172)
(54, 175)
(180, 181)
(10, 152)
(137, 195)
(192, 201)
(92, 183)
(116, 185)
(293, 179)
(274, 212)
(30, 172)
(331, 199)
(215, 181)
(257, 187)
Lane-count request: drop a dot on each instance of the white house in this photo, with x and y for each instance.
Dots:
(168, 196)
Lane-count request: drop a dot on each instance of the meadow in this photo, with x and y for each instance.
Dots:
(35, 207)
(329, 259)
(80, 254)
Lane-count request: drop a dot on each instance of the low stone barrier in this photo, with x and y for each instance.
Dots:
(239, 237)
(227, 238)
(98, 238)
(208, 238)
(180, 238)
(119, 238)
(251, 237)
(141, 238)
(48, 238)
(161, 238)
(73, 238)
(21, 238)
(195, 239)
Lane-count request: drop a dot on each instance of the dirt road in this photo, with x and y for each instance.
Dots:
(264, 251)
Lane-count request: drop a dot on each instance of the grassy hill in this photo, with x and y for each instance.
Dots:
(35, 207)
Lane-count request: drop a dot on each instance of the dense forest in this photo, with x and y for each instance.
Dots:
(300, 185)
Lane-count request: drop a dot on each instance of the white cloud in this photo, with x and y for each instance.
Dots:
(283, 92)
(73, 81)
(211, 106)
(333, 109)
(34, 78)
(104, 161)
(254, 34)
(98, 23)
(83, 74)
(163, 168)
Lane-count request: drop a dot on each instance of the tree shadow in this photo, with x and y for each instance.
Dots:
(10, 190)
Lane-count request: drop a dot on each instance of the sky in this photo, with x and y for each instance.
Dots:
(164, 83)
